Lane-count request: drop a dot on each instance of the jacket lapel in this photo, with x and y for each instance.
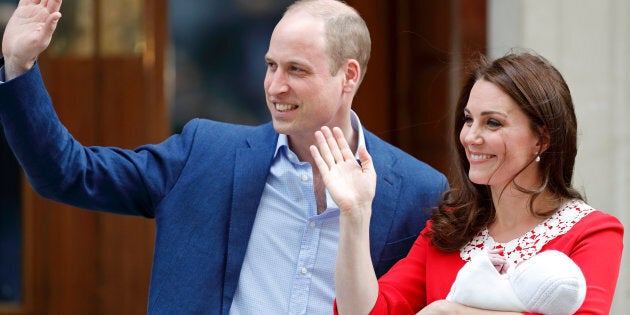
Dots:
(251, 168)
(387, 194)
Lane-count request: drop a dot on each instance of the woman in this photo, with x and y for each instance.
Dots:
(511, 192)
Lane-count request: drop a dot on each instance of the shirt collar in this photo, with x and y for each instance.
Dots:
(283, 140)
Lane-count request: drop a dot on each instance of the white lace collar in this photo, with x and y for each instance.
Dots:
(530, 243)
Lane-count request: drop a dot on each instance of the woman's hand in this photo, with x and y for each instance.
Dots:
(444, 307)
(28, 33)
(351, 184)
(439, 307)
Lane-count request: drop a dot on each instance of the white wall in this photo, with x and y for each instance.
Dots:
(589, 42)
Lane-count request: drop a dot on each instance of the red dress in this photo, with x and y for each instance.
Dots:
(593, 239)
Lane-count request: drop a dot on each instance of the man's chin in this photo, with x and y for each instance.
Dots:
(281, 127)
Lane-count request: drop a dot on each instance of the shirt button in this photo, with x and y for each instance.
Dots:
(312, 224)
(303, 270)
(304, 178)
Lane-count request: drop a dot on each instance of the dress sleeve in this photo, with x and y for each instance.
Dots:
(597, 249)
(402, 290)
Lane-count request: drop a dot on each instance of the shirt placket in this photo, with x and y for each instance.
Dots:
(308, 250)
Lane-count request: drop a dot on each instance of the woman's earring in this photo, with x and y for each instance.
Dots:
(537, 157)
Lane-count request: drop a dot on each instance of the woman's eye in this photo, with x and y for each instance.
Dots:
(494, 123)
(468, 120)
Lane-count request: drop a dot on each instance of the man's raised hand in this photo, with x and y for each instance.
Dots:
(351, 185)
(28, 33)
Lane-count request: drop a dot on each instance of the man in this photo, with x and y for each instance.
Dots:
(244, 223)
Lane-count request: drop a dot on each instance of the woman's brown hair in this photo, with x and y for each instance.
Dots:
(542, 94)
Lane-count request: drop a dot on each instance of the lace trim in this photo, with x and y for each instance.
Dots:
(530, 243)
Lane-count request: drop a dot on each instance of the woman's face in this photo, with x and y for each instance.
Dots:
(498, 140)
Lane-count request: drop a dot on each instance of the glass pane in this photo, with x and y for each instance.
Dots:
(10, 207)
(122, 27)
(219, 58)
(75, 32)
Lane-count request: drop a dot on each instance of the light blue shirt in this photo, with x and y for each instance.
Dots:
(290, 260)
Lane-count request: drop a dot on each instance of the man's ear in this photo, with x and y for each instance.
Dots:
(352, 76)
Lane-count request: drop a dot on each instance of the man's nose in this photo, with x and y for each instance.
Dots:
(277, 82)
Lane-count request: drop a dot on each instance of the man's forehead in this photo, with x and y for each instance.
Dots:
(301, 36)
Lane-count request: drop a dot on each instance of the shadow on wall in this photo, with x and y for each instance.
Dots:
(10, 226)
(10, 214)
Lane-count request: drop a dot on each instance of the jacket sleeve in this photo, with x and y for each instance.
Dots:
(62, 169)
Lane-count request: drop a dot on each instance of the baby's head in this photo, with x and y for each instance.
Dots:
(549, 283)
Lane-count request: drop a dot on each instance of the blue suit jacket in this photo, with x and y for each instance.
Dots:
(203, 188)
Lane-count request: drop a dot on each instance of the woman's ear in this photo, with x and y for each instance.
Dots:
(543, 139)
(352, 75)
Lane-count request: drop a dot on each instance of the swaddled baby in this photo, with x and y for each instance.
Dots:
(548, 283)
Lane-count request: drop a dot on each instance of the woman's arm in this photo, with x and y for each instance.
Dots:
(596, 246)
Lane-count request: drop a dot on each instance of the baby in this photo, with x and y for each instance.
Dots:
(548, 283)
(498, 261)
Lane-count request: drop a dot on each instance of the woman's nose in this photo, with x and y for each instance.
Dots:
(473, 135)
